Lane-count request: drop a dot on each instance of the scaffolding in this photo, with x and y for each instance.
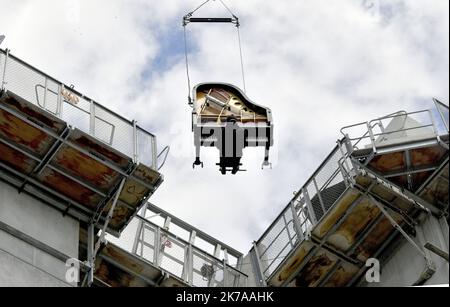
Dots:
(373, 188)
(71, 152)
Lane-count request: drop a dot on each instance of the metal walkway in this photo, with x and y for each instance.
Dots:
(362, 198)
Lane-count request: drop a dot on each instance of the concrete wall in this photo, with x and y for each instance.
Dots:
(406, 264)
(21, 263)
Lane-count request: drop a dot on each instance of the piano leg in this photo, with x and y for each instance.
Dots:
(197, 157)
(266, 162)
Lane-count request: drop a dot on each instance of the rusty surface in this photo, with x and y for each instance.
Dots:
(70, 188)
(292, 264)
(121, 215)
(315, 269)
(420, 157)
(389, 162)
(86, 168)
(436, 192)
(355, 222)
(427, 156)
(335, 213)
(117, 277)
(375, 238)
(32, 111)
(16, 159)
(23, 134)
(342, 276)
(91, 144)
(133, 193)
(146, 174)
(363, 181)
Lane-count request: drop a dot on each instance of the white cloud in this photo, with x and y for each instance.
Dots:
(319, 65)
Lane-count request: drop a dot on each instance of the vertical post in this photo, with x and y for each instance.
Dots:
(297, 227)
(167, 223)
(45, 93)
(90, 254)
(372, 137)
(344, 156)
(257, 266)
(311, 213)
(225, 273)
(92, 118)
(154, 153)
(59, 101)
(139, 230)
(438, 106)
(157, 247)
(191, 257)
(3, 87)
(135, 142)
(290, 238)
(322, 204)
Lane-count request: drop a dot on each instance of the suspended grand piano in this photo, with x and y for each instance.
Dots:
(223, 117)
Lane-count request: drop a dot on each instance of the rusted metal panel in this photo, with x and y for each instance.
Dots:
(427, 156)
(389, 162)
(315, 269)
(121, 215)
(375, 238)
(98, 148)
(33, 112)
(23, 134)
(292, 264)
(146, 174)
(390, 197)
(70, 188)
(336, 213)
(84, 167)
(115, 277)
(436, 192)
(16, 159)
(356, 221)
(342, 276)
(422, 157)
(125, 269)
(132, 194)
(353, 233)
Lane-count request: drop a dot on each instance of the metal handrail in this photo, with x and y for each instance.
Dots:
(7, 75)
(373, 123)
(182, 243)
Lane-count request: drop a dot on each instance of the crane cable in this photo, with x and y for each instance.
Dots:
(186, 53)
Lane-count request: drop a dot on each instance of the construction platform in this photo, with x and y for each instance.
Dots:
(70, 151)
(166, 252)
(372, 191)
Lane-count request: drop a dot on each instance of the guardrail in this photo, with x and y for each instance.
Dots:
(182, 257)
(333, 177)
(77, 109)
(371, 134)
(304, 211)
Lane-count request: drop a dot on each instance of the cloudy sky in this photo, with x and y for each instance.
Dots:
(318, 64)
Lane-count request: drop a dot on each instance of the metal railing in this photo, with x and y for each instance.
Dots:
(182, 257)
(304, 211)
(372, 134)
(327, 185)
(77, 109)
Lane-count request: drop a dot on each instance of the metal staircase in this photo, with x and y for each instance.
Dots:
(354, 207)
